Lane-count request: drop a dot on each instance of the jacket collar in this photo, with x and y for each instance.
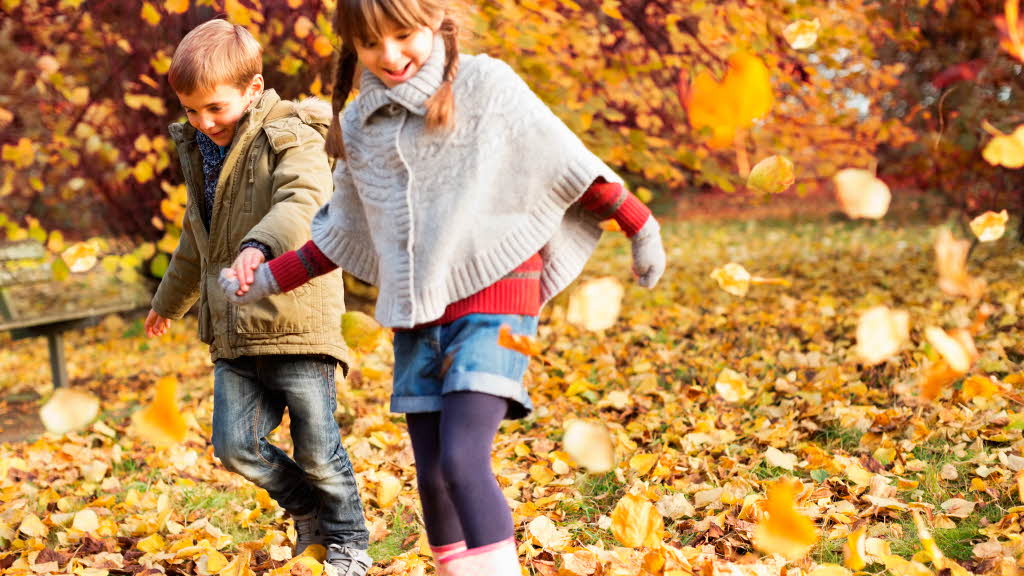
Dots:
(411, 94)
(184, 134)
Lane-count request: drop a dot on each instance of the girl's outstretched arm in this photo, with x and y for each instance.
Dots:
(611, 200)
(286, 272)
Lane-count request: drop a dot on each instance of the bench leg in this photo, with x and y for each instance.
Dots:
(57, 365)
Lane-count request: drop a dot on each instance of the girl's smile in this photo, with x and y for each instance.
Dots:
(397, 55)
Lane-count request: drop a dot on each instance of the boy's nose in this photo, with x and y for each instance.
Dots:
(206, 123)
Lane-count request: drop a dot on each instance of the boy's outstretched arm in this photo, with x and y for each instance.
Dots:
(610, 200)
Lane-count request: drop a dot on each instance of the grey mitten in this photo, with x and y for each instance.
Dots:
(648, 254)
(263, 285)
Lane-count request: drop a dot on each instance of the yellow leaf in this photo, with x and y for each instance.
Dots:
(33, 527)
(541, 474)
(951, 263)
(176, 6)
(388, 489)
(81, 257)
(361, 332)
(595, 304)
(151, 543)
(611, 8)
(855, 550)
(881, 333)
(931, 549)
(990, 226)
(239, 565)
(546, 534)
(519, 342)
(732, 386)
(143, 171)
(802, 34)
(636, 522)
(69, 409)
(590, 445)
(733, 278)
(160, 422)
(861, 194)
(322, 46)
(150, 14)
(22, 155)
(829, 570)
(979, 387)
(210, 562)
(85, 521)
(957, 350)
(785, 531)
(772, 175)
(937, 377)
(160, 62)
(293, 4)
(779, 459)
(642, 463)
(1006, 149)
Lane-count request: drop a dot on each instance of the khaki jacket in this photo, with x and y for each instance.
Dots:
(275, 177)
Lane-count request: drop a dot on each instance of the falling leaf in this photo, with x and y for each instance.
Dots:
(802, 34)
(636, 522)
(732, 386)
(1010, 29)
(733, 278)
(519, 342)
(951, 263)
(861, 194)
(743, 96)
(1005, 150)
(990, 226)
(957, 350)
(69, 410)
(772, 175)
(160, 422)
(931, 549)
(783, 530)
(388, 489)
(881, 333)
(855, 549)
(595, 304)
(82, 256)
(590, 445)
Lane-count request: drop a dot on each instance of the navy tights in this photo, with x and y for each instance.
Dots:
(460, 495)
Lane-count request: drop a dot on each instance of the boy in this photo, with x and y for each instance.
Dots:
(256, 172)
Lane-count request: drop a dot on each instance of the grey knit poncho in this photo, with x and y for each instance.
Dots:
(431, 217)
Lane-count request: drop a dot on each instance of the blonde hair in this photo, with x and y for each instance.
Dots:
(364, 20)
(214, 53)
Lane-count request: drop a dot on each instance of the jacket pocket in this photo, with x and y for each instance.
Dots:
(288, 313)
(205, 334)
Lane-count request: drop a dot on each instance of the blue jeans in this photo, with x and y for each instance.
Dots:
(249, 398)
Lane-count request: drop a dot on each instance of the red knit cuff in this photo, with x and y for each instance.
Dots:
(289, 271)
(632, 215)
(319, 261)
(601, 197)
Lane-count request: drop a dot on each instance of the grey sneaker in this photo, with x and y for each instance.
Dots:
(348, 561)
(307, 531)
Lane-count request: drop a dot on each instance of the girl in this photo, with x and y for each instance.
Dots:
(469, 204)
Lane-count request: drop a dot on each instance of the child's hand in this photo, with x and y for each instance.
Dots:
(262, 285)
(648, 254)
(245, 266)
(156, 325)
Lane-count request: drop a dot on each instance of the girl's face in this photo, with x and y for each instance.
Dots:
(397, 55)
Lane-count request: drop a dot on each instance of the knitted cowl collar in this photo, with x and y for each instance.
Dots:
(411, 94)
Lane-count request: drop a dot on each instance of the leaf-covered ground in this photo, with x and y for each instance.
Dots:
(868, 450)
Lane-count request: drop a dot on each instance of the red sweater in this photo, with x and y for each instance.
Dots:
(517, 293)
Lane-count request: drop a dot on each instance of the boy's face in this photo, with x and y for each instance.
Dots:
(397, 55)
(216, 113)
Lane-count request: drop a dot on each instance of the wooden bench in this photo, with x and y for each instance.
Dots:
(33, 304)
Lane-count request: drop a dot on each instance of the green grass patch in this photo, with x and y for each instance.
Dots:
(836, 437)
(402, 525)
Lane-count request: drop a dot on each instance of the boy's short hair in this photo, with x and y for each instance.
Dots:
(215, 52)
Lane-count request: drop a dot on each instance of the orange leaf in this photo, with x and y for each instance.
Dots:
(636, 522)
(161, 422)
(518, 342)
(785, 531)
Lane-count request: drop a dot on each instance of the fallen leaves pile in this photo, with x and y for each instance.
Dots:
(850, 410)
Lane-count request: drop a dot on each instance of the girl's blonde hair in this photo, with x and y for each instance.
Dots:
(215, 52)
(364, 20)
